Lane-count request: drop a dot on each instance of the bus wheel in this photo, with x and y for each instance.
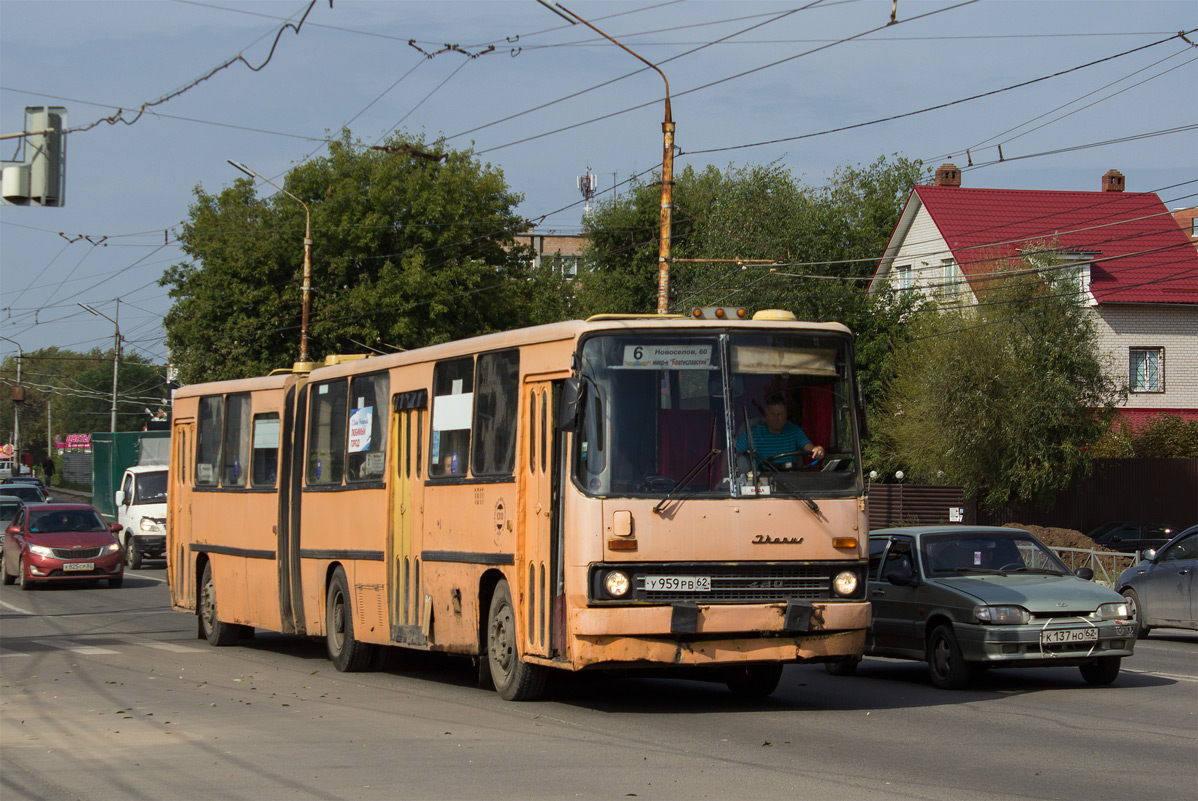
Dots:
(754, 681)
(514, 680)
(347, 654)
(214, 631)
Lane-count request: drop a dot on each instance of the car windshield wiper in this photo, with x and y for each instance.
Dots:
(988, 571)
(699, 465)
(1046, 571)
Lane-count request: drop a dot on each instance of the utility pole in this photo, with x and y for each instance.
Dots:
(667, 162)
(116, 351)
(18, 397)
(307, 285)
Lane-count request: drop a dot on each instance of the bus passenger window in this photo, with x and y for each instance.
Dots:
(208, 440)
(495, 421)
(265, 468)
(453, 400)
(326, 433)
(367, 444)
(237, 435)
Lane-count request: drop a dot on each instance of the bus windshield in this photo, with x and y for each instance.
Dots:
(717, 415)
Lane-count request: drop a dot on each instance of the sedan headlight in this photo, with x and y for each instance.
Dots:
(845, 583)
(41, 550)
(616, 583)
(1002, 615)
(1113, 611)
(112, 547)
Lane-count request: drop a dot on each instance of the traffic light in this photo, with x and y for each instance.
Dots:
(40, 178)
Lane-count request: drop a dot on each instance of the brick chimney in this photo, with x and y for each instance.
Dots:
(949, 175)
(1112, 181)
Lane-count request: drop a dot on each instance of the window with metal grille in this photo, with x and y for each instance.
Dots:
(1147, 369)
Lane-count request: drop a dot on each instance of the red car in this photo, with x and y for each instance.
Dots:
(60, 542)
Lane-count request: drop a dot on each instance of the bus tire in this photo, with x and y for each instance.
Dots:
(513, 679)
(754, 681)
(214, 631)
(347, 654)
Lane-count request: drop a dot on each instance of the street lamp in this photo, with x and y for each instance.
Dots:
(116, 350)
(16, 415)
(667, 162)
(307, 285)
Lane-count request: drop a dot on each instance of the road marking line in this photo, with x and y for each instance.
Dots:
(1178, 676)
(16, 609)
(67, 645)
(165, 646)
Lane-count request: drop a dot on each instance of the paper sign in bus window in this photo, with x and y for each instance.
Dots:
(452, 412)
(359, 429)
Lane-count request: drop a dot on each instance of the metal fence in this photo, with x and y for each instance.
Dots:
(1106, 565)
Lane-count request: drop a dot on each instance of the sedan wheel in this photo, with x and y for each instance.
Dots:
(25, 583)
(948, 669)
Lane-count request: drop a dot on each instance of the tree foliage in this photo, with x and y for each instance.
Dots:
(827, 241)
(1166, 436)
(1005, 398)
(407, 251)
(77, 389)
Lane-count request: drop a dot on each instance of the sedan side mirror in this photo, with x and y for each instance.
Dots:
(1084, 573)
(14, 530)
(115, 528)
(901, 575)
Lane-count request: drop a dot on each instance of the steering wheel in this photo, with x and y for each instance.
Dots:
(655, 484)
(1013, 566)
(789, 456)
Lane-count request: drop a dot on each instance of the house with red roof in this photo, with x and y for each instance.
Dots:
(1130, 260)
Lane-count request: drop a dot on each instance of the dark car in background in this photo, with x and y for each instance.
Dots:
(1160, 590)
(9, 506)
(48, 542)
(1129, 537)
(968, 597)
(34, 480)
(28, 493)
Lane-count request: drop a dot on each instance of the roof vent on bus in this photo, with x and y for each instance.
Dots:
(776, 316)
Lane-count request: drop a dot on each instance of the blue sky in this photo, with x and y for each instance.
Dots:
(806, 72)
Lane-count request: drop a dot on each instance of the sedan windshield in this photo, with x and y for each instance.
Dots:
(956, 553)
(59, 520)
(717, 415)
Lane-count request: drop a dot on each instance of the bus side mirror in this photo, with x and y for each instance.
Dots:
(862, 426)
(573, 401)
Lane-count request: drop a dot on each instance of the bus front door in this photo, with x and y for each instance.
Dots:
(180, 575)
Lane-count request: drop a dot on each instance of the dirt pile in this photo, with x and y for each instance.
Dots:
(1061, 537)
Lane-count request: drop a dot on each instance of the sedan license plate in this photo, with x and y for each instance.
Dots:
(678, 583)
(1059, 636)
(79, 566)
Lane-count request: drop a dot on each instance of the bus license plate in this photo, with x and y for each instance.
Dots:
(678, 583)
(78, 565)
(1059, 636)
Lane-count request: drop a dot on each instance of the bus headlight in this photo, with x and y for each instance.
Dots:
(845, 583)
(616, 583)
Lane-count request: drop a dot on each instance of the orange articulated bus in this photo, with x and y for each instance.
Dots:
(576, 495)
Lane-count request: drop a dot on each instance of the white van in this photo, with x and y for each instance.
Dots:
(141, 511)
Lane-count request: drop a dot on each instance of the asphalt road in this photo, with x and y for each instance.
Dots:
(106, 694)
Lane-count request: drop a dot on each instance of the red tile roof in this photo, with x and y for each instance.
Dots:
(1139, 252)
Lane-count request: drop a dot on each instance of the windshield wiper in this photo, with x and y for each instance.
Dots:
(988, 571)
(1045, 571)
(699, 465)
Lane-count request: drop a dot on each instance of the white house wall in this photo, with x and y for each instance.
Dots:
(924, 249)
(1174, 328)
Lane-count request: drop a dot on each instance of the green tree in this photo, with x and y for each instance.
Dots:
(75, 390)
(408, 250)
(1005, 398)
(1167, 436)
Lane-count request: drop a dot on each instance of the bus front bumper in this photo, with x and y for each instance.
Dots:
(721, 634)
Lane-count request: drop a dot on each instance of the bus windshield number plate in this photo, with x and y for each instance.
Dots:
(678, 583)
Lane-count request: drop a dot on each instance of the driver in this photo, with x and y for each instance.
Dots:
(777, 435)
